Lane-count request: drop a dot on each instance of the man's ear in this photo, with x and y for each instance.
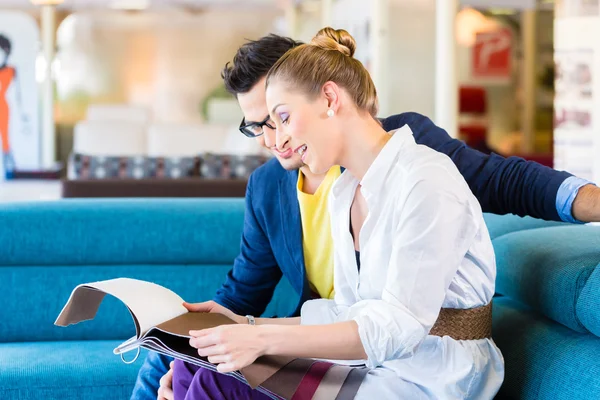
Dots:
(331, 92)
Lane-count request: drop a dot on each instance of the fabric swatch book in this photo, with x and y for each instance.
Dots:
(162, 325)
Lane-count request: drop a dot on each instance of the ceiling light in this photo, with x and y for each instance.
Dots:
(46, 2)
(502, 11)
(129, 4)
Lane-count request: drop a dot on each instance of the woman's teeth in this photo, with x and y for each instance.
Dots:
(301, 150)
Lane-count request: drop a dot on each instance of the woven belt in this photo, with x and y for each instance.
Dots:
(464, 324)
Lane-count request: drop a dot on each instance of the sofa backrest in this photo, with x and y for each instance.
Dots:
(189, 245)
(49, 248)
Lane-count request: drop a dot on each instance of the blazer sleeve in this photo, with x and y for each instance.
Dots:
(502, 185)
(250, 284)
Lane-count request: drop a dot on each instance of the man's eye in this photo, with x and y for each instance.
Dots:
(256, 129)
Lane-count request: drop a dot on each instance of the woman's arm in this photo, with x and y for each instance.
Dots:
(276, 321)
(339, 341)
(236, 346)
(233, 347)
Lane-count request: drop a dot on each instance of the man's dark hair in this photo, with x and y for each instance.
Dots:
(253, 60)
(5, 43)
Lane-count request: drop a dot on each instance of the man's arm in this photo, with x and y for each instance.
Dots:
(502, 185)
(251, 282)
(586, 206)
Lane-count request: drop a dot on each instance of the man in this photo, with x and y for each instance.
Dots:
(284, 199)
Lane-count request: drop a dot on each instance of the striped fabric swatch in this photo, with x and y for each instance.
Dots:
(307, 379)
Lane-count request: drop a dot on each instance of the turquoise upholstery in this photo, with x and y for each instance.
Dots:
(121, 232)
(544, 360)
(546, 321)
(499, 225)
(66, 370)
(548, 269)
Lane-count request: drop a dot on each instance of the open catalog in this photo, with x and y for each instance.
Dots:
(162, 325)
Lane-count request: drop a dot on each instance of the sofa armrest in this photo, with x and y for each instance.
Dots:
(554, 271)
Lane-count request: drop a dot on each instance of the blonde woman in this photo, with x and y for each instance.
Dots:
(414, 266)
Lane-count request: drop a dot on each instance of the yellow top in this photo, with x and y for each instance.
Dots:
(316, 238)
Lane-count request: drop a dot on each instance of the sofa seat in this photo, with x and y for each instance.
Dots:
(65, 370)
(544, 359)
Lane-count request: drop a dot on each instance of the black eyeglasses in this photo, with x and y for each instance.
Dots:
(255, 129)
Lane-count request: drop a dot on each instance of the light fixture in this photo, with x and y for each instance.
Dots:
(46, 2)
(470, 22)
(502, 11)
(130, 5)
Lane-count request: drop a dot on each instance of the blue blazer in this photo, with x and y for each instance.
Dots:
(271, 244)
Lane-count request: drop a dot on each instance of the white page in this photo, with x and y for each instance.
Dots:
(151, 304)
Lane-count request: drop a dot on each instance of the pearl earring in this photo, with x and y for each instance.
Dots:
(330, 113)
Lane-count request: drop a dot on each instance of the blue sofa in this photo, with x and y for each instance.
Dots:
(546, 318)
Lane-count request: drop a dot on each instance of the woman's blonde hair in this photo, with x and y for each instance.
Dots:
(328, 57)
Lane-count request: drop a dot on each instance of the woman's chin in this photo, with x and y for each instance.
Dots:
(318, 169)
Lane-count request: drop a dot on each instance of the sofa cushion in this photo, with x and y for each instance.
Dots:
(229, 166)
(23, 319)
(27, 321)
(544, 360)
(140, 167)
(122, 231)
(589, 303)
(65, 370)
(499, 225)
(549, 268)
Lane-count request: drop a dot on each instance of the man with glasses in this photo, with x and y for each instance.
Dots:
(255, 129)
(285, 201)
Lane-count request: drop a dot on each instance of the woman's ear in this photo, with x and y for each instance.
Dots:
(331, 92)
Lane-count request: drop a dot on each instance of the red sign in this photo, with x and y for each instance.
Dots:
(492, 54)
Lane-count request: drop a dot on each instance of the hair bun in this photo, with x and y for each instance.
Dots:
(335, 39)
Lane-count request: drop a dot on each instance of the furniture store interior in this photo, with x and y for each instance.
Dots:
(300, 199)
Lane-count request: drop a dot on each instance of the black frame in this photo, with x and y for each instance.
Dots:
(244, 127)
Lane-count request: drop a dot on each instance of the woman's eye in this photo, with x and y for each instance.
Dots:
(284, 118)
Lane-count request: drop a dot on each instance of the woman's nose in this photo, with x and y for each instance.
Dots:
(270, 136)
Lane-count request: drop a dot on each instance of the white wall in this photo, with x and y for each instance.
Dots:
(168, 61)
(412, 56)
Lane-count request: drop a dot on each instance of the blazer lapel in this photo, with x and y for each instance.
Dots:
(290, 219)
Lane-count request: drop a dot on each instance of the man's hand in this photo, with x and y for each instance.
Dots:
(586, 207)
(212, 307)
(165, 391)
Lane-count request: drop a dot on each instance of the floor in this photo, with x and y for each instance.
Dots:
(29, 190)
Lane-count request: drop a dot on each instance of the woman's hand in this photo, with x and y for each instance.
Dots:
(212, 307)
(231, 347)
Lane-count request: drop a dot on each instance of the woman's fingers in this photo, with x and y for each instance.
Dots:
(218, 359)
(227, 367)
(211, 351)
(204, 339)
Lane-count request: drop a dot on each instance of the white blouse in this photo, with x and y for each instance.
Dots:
(424, 245)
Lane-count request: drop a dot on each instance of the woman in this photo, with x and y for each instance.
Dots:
(413, 258)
